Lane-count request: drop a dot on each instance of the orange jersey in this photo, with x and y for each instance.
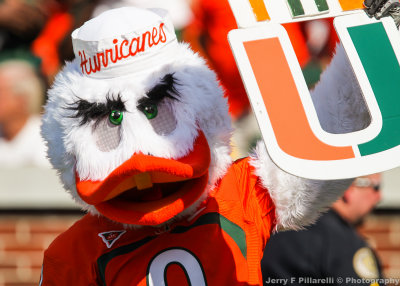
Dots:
(222, 244)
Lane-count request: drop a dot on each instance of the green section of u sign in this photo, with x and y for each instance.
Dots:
(322, 5)
(296, 7)
(383, 72)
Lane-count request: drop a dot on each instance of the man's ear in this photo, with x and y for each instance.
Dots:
(346, 198)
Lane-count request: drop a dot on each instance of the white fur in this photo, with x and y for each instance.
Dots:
(340, 108)
(298, 201)
(201, 105)
(338, 99)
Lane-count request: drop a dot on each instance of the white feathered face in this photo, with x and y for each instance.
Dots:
(139, 149)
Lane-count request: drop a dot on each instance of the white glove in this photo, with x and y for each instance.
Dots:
(382, 8)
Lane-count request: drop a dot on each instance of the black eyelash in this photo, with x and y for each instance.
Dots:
(166, 88)
(86, 110)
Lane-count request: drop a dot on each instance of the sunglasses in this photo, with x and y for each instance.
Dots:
(364, 182)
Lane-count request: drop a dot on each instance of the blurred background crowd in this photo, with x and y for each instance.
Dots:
(34, 44)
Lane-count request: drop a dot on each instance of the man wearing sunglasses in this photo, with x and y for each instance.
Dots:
(330, 252)
(359, 199)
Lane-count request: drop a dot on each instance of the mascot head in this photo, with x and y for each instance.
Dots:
(137, 125)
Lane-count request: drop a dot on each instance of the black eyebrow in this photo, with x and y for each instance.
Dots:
(86, 110)
(165, 88)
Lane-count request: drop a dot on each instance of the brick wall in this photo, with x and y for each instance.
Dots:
(22, 241)
(383, 233)
(24, 237)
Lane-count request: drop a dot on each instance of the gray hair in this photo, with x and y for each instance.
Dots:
(25, 82)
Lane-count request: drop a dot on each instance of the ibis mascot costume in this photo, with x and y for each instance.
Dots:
(137, 127)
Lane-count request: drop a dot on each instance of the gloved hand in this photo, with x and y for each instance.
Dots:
(382, 8)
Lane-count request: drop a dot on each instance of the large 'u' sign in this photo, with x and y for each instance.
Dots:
(284, 109)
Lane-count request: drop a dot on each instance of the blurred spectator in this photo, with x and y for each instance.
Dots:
(208, 35)
(321, 40)
(331, 249)
(48, 43)
(21, 22)
(21, 96)
(76, 12)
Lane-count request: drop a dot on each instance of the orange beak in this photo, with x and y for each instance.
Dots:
(147, 190)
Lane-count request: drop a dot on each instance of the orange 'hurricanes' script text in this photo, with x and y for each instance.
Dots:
(122, 50)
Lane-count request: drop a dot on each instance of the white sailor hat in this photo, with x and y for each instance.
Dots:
(124, 41)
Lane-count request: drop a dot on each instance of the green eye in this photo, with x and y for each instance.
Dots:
(116, 117)
(150, 111)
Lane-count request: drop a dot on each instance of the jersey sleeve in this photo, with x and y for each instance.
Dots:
(59, 273)
(71, 259)
(258, 206)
